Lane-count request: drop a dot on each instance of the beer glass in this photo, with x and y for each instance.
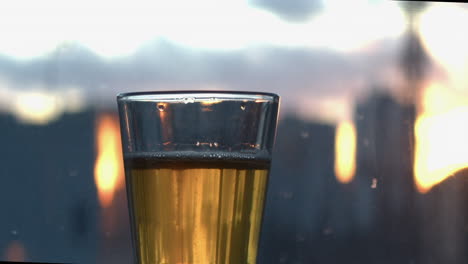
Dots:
(196, 167)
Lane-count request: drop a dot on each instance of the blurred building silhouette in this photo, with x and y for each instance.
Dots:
(414, 61)
(47, 192)
(48, 197)
(49, 201)
(443, 219)
(310, 216)
(302, 208)
(384, 175)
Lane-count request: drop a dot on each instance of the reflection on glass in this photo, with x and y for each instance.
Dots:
(345, 152)
(15, 251)
(108, 170)
(441, 146)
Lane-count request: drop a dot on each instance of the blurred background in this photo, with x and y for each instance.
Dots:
(371, 153)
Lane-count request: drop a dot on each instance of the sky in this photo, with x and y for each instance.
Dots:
(318, 55)
(118, 28)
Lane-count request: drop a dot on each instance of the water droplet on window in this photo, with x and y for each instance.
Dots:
(198, 143)
(242, 106)
(328, 231)
(300, 237)
(366, 142)
(374, 183)
(160, 107)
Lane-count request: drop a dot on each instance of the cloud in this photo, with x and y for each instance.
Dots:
(302, 76)
(293, 10)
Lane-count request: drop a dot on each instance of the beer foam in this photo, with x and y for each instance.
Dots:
(262, 155)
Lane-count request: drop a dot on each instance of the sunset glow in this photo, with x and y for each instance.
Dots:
(441, 146)
(108, 171)
(345, 152)
(36, 107)
(441, 130)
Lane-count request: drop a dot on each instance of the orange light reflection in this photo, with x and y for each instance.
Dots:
(441, 128)
(15, 252)
(345, 152)
(441, 146)
(108, 170)
(441, 131)
(210, 102)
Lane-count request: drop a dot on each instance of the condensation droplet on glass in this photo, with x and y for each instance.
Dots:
(374, 183)
(198, 143)
(300, 237)
(242, 106)
(328, 231)
(366, 142)
(160, 107)
(14, 232)
(286, 195)
(211, 145)
(216, 144)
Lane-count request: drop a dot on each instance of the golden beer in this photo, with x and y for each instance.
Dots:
(196, 210)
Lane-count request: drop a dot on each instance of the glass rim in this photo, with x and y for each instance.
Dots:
(196, 95)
